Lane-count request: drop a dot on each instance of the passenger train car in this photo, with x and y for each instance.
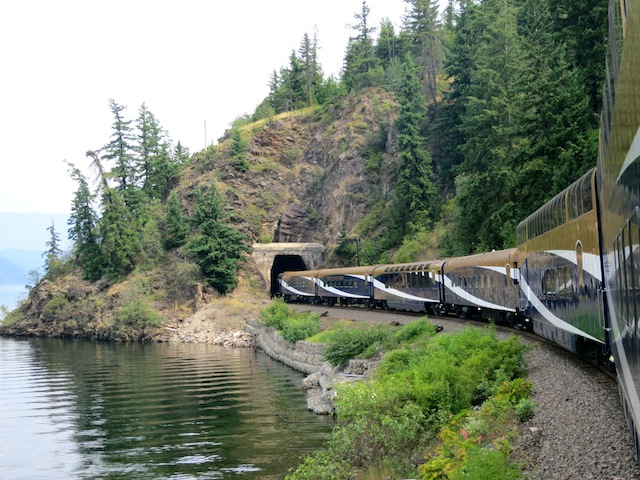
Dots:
(574, 277)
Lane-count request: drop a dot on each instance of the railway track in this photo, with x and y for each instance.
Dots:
(449, 323)
(579, 429)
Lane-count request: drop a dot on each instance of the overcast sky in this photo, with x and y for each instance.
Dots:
(189, 61)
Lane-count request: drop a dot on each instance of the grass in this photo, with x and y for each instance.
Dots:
(419, 409)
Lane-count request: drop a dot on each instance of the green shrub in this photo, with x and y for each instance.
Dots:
(293, 327)
(276, 314)
(11, 317)
(345, 344)
(387, 423)
(420, 329)
(55, 308)
(321, 465)
(300, 327)
(525, 410)
(135, 310)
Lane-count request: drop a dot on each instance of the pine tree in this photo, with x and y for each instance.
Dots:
(415, 192)
(484, 193)
(361, 65)
(216, 246)
(82, 228)
(308, 55)
(53, 253)
(120, 150)
(176, 225)
(559, 127)
(119, 239)
(424, 29)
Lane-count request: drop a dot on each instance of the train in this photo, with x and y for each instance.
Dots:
(573, 277)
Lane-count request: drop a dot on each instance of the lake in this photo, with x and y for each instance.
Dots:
(86, 410)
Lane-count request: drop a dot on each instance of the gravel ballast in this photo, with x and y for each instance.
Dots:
(579, 430)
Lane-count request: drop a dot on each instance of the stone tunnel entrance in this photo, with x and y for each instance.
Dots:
(274, 258)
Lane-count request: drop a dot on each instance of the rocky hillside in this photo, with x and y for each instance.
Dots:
(312, 176)
(313, 173)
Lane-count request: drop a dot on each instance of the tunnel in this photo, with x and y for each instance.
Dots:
(284, 263)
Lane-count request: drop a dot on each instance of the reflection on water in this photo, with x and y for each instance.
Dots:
(77, 409)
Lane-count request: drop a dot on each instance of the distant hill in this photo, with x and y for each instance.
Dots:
(28, 231)
(16, 264)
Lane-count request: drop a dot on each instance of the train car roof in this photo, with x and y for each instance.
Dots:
(365, 270)
(408, 267)
(495, 258)
(299, 273)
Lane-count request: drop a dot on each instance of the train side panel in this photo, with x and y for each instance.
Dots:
(562, 272)
(410, 286)
(298, 286)
(345, 285)
(483, 286)
(619, 165)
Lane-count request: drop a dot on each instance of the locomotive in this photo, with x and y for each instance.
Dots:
(574, 276)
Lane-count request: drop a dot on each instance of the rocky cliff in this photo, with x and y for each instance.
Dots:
(313, 174)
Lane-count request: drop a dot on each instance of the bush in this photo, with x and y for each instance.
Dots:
(345, 344)
(135, 310)
(293, 327)
(55, 308)
(387, 423)
(276, 314)
(420, 329)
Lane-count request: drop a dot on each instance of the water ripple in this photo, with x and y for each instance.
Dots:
(94, 410)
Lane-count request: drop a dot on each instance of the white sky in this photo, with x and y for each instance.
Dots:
(190, 61)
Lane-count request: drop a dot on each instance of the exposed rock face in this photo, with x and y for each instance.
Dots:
(312, 175)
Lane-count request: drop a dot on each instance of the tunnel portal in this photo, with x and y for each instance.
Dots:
(274, 258)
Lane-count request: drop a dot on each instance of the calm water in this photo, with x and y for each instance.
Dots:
(78, 409)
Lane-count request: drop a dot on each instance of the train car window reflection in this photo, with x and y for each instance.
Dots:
(633, 280)
(580, 264)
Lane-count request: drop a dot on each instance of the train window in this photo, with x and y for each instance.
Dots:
(580, 265)
(634, 244)
(488, 281)
(549, 282)
(507, 274)
(573, 203)
(586, 192)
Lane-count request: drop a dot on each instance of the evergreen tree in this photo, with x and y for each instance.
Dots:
(557, 125)
(361, 66)
(82, 228)
(312, 75)
(149, 139)
(491, 128)
(118, 237)
(582, 26)
(415, 192)
(423, 27)
(447, 136)
(216, 246)
(239, 150)
(53, 253)
(176, 225)
(120, 150)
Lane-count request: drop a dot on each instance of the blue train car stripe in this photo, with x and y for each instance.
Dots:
(549, 316)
